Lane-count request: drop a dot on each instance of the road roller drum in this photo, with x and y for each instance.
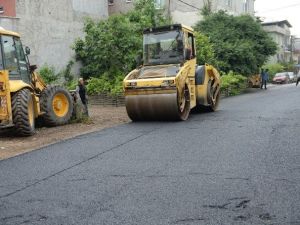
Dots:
(169, 83)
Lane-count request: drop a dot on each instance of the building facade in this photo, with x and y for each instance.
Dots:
(281, 34)
(187, 11)
(8, 8)
(49, 27)
(296, 49)
(119, 6)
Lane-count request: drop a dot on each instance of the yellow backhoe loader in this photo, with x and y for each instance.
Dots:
(254, 81)
(169, 83)
(23, 95)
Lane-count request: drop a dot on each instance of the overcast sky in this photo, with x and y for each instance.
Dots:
(274, 10)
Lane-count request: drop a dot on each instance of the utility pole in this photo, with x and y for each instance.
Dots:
(169, 11)
(292, 48)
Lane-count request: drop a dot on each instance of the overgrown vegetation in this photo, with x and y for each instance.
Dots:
(49, 74)
(240, 43)
(63, 77)
(105, 84)
(273, 69)
(233, 83)
(109, 48)
(205, 50)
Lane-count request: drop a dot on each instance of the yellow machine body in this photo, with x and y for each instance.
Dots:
(170, 91)
(254, 81)
(5, 99)
(8, 87)
(22, 91)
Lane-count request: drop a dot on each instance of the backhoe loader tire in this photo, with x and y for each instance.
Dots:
(23, 113)
(56, 105)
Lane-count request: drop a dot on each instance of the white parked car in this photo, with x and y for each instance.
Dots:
(293, 77)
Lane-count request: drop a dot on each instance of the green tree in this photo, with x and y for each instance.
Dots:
(240, 43)
(205, 50)
(49, 74)
(111, 46)
(207, 8)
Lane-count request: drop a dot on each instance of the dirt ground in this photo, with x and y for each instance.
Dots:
(101, 117)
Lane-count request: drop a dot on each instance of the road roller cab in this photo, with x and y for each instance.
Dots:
(23, 95)
(169, 83)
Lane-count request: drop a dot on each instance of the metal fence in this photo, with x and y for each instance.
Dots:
(118, 100)
(105, 99)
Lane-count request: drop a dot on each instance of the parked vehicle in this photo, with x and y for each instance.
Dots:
(293, 77)
(281, 78)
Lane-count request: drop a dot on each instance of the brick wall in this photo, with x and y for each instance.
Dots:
(9, 8)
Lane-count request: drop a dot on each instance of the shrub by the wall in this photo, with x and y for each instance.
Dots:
(232, 83)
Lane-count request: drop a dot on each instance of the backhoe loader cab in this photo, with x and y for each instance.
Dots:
(170, 83)
(23, 94)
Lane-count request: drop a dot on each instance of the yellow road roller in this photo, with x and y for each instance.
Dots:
(169, 83)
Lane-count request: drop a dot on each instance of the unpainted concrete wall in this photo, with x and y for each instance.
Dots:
(120, 6)
(189, 14)
(183, 13)
(49, 27)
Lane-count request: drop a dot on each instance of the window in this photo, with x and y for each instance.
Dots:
(246, 5)
(163, 48)
(229, 3)
(10, 57)
(23, 66)
(110, 2)
(1, 9)
(191, 45)
(159, 4)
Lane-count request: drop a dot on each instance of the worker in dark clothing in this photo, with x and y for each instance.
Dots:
(298, 80)
(81, 93)
(264, 78)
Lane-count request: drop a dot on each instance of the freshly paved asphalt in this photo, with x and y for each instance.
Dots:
(240, 165)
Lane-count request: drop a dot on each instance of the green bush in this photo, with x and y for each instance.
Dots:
(233, 83)
(72, 85)
(49, 74)
(105, 84)
(109, 48)
(240, 43)
(67, 74)
(205, 50)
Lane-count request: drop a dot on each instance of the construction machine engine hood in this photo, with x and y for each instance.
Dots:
(158, 71)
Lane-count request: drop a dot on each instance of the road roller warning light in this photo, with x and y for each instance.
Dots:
(169, 83)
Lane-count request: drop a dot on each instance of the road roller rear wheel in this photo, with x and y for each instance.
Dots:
(184, 107)
(213, 102)
(212, 98)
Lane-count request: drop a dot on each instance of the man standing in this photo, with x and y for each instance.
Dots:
(264, 78)
(81, 93)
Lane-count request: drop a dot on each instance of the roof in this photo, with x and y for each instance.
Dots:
(7, 32)
(168, 27)
(277, 23)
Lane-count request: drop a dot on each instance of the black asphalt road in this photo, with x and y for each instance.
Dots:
(240, 165)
